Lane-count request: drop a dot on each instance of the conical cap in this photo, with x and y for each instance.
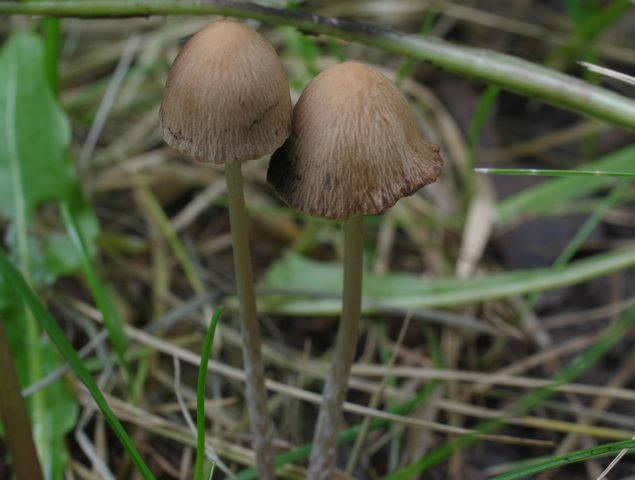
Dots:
(226, 96)
(355, 147)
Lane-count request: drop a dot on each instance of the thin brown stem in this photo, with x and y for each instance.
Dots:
(322, 461)
(15, 418)
(256, 394)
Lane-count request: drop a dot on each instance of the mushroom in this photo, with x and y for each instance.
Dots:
(355, 149)
(226, 101)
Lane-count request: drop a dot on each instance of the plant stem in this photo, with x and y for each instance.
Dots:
(322, 461)
(15, 418)
(256, 394)
(510, 73)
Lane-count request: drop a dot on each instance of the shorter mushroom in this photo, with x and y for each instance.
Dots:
(226, 101)
(355, 149)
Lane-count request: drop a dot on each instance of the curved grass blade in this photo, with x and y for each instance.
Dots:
(554, 172)
(299, 286)
(22, 290)
(200, 395)
(113, 323)
(573, 457)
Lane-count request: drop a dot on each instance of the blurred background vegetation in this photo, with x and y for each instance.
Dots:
(479, 289)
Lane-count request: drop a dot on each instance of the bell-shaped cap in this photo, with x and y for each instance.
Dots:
(355, 147)
(226, 96)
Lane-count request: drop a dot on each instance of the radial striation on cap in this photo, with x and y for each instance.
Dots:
(355, 147)
(226, 96)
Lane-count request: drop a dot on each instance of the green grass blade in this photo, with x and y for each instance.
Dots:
(509, 73)
(541, 199)
(150, 203)
(554, 172)
(531, 400)
(200, 395)
(573, 457)
(55, 333)
(52, 33)
(113, 323)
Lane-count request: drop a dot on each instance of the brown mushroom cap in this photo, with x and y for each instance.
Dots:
(226, 96)
(355, 148)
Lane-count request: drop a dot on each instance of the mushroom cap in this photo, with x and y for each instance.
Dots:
(355, 147)
(226, 96)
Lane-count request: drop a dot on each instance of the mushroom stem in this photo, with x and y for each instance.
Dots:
(322, 461)
(256, 394)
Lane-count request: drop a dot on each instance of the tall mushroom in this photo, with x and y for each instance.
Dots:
(227, 100)
(355, 149)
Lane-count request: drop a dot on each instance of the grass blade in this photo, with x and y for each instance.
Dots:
(541, 199)
(509, 73)
(200, 395)
(567, 459)
(554, 172)
(21, 289)
(113, 323)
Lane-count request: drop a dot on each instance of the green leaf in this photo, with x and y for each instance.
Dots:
(307, 287)
(35, 168)
(34, 133)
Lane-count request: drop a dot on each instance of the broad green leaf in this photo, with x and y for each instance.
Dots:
(541, 199)
(307, 287)
(34, 133)
(34, 168)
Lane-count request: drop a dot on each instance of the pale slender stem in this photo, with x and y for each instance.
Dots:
(322, 461)
(256, 394)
